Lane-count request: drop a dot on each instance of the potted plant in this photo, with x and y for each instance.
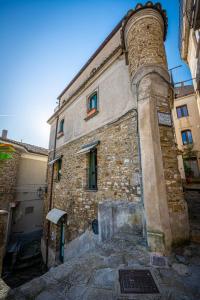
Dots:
(188, 173)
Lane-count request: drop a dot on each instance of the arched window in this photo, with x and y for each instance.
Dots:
(187, 137)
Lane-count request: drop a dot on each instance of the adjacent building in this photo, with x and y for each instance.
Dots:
(113, 159)
(189, 32)
(187, 130)
(22, 190)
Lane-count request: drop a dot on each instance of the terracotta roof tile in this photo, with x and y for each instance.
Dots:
(28, 147)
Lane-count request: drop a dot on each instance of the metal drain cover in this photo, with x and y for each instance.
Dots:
(137, 282)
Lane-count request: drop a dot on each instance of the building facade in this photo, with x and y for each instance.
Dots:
(22, 188)
(190, 40)
(187, 129)
(112, 141)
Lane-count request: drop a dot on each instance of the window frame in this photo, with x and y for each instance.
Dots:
(92, 111)
(181, 109)
(90, 98)
(58, 169)
(61, 125)
(187, 138)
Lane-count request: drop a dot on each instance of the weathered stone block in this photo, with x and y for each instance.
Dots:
(116, 217)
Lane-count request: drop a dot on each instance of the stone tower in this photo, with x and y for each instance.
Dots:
(144, 32)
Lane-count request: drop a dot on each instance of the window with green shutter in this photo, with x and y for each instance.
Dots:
(61, 126)
(92, 105)
(92, 102)
(92, 170)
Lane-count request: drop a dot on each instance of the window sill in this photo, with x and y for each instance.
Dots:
(182, 117)
(91, 114)
(60, 134)
(188, 145)
(91, 190)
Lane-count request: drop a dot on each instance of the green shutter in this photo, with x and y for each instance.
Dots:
(93, 170)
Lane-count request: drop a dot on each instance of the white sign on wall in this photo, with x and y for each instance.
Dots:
(164, 119)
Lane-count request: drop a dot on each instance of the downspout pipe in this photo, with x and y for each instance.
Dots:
(51, 194)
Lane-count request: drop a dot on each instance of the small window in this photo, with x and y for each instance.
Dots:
(92, 104)
(61, 126)
(182, 111)
(186, 137)
(92, 170)
(29, 210)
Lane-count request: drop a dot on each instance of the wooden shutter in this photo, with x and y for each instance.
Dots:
(93, 169)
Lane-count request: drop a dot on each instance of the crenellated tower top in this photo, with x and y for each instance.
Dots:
(144, 30)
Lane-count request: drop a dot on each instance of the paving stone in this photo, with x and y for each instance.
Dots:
(182, 259)
(47, 296)
(114, 260)
(33, 287)
(104, 278)
(187, 252)
(195, 260)
(94, 276)
(181, 269)
(77, 292)
(79, 275)
(98, 294)
(170, 294)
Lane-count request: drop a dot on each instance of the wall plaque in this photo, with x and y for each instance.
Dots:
(164, 119)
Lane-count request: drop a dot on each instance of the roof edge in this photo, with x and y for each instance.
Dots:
(102, 45)
(19, 144)
(157, 6)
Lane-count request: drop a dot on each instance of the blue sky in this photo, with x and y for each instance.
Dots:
(44, 43)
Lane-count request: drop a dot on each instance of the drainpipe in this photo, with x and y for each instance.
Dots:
(51, 194)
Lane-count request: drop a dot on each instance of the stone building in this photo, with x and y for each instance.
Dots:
(113, 160)
(22, 184)
(189, 32)
(187, 129)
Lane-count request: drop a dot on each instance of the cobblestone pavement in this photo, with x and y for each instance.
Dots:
(94, 275)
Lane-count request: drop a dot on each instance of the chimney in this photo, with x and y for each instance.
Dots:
(4, 134)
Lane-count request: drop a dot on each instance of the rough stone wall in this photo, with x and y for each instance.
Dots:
(192, 197)
(3, 224)
(118, 173)
(145, 44)
(8, 176)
